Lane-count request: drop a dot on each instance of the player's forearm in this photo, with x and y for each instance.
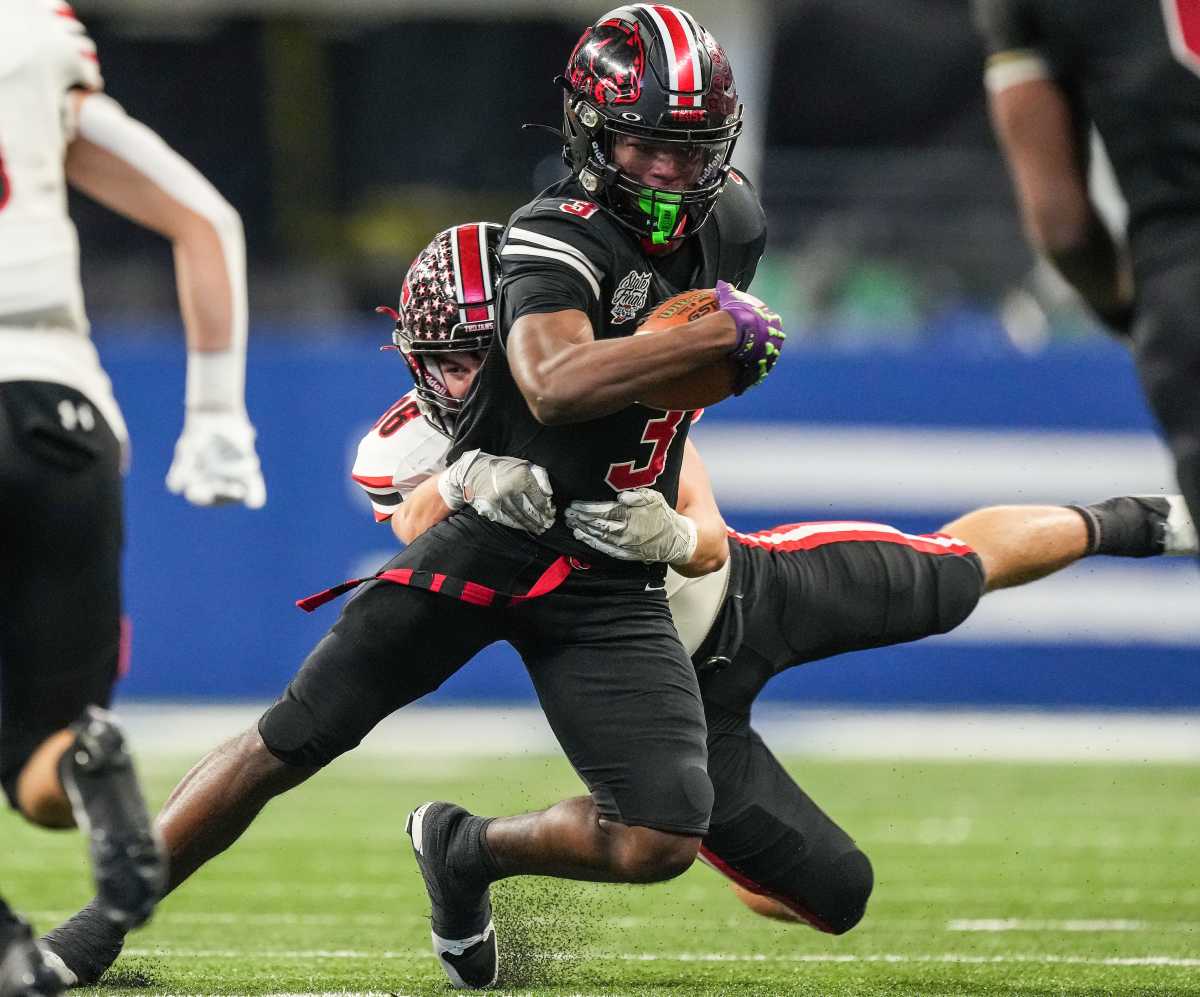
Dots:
(697, 502)
(422, 510)
(712, 549)
(206, 292)
(592, 379)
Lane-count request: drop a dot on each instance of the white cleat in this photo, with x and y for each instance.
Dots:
(52, 960)
(1180, 537)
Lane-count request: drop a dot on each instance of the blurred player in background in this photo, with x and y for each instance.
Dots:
(63, 759)
(1131, 68)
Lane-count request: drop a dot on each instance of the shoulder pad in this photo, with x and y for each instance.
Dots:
(401, 450)
(544, 233)
(739, 211)
(76, 52)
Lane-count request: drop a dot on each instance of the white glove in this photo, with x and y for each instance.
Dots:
(639, 526)
(506, 490)
(215, 462)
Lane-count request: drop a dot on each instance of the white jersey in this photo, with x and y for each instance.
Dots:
(403, 449)
(45, 52)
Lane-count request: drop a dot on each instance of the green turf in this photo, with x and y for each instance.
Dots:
(322, 895)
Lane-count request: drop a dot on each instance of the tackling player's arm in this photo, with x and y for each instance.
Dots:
(697, 502)
(566, 375)
(128, 168)
(1036, 126)
(422, 509)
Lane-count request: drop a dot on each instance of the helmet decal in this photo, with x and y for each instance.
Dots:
(608, 63)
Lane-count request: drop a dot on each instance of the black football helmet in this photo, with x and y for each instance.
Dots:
(649, 76)
(447, 305)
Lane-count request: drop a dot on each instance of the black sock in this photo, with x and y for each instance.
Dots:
(1126, 526)
(476, 860)
(487, 859)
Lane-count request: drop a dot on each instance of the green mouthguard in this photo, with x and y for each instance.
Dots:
(664, 209)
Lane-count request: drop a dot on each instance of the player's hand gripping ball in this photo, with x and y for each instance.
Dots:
(760, 335)
(760, 338)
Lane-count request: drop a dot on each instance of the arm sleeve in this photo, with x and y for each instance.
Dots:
(1015, 48)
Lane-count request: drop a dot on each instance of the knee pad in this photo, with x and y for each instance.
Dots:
(697, 790)
(851, 880)
(960, 588)
(289, 731)
(830, 892)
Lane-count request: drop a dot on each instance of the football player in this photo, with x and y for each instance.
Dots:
(651, 208)
(747, 605)
(63, 759)
(1133, 70)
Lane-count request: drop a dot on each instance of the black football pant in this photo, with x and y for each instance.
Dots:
(1166, 338)
(799, 593)
(612, 677)
(61, 537)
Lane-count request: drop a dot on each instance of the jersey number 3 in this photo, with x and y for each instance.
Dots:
(658, 433)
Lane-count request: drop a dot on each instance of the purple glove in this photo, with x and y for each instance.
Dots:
(760, 335)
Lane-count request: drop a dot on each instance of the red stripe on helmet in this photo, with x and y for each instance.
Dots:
(682, 51)
(471, 267)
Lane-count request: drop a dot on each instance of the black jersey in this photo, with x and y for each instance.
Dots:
(1133, 68)
(562, 251)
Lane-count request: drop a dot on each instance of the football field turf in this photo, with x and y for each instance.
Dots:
(991, 878)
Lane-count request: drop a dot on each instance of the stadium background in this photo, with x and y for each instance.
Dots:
(932, 366)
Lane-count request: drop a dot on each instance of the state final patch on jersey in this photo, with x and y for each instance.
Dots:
(630, 296)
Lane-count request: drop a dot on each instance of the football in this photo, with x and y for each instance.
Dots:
(703, 386)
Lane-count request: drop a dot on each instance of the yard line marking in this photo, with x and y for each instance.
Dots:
(1073, 924)
(733, 957)
(230, 917)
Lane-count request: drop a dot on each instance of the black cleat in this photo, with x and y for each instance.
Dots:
(464, 938)
(83, 947)
(129, 862)
(24, 971)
